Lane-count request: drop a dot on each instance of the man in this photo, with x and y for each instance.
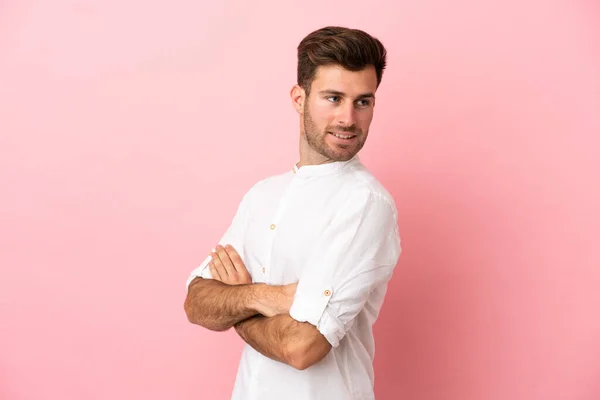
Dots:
(302, 271)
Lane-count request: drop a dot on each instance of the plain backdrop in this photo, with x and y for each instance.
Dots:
(129, 130)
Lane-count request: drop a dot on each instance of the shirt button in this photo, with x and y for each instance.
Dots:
(327, 293)
(272, 227)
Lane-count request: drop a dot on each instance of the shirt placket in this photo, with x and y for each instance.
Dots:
(272, 229)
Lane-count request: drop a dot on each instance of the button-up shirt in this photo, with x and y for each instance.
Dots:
(332, 228)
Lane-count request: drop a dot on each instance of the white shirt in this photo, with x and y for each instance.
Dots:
(333, 229)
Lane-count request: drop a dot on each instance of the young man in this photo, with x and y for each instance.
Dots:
(306, 261)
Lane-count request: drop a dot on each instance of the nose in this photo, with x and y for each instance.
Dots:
(346, 115)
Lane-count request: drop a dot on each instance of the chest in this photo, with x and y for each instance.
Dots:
(283, 229)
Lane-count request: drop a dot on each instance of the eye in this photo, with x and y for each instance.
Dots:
(334, 99)
(364, 103)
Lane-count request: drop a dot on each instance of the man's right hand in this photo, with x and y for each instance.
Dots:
(227, 266)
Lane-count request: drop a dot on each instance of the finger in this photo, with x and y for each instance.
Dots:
(226, 261)
(236, 259)
(213, 271)
(238, 263)
(219, 265)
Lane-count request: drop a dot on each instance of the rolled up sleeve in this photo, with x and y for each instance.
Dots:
(357, 253)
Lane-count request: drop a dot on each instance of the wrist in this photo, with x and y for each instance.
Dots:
(265, 298)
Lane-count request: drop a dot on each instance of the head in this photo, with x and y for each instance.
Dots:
(339, 71)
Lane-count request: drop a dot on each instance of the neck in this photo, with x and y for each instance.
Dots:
(308, 156)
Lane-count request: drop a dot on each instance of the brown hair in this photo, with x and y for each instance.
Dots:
(352, 49)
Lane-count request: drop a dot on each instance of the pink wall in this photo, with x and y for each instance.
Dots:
(130, 130)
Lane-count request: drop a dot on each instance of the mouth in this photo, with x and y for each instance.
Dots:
(341, 136)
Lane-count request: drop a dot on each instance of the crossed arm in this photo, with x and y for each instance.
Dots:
(359, 251)
(259, 312)
(284, 339)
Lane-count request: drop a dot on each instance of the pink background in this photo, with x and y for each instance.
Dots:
(131, 129)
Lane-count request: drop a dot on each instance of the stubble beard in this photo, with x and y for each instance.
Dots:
(316, 140)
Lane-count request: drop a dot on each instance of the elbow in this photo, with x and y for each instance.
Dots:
(301, 364)
(190, 311)
(188, 305)
(194, 316)
(303, 355)
(297, 359)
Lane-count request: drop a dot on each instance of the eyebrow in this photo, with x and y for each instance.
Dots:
(342, 94)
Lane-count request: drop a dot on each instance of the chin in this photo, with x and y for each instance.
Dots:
(342, 156)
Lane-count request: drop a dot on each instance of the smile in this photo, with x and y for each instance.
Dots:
(342, 136)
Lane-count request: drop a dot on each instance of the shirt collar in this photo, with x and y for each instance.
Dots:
(323, 169)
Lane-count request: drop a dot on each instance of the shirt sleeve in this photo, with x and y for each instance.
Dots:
(233, 235)
(357, 253)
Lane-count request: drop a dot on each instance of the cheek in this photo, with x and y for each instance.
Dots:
(322, 116)
(364, 120)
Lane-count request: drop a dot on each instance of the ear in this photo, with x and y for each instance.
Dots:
(298, 96)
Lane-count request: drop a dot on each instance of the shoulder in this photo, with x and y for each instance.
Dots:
(268, 186)
(272, 182)
(360, 182)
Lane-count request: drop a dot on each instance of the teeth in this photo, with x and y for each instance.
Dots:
(343, 136)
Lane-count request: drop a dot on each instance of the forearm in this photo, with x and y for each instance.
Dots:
(269, 336)
(217, 306)
(284, 339)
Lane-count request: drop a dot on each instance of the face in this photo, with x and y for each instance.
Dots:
(336, 116)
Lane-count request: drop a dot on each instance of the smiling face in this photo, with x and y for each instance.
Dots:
(336, 115)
